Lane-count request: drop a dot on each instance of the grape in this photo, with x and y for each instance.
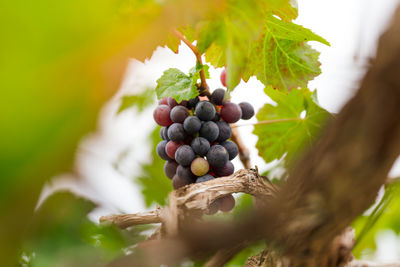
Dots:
(205, 111)
(171, 148)
(179, 114)
(200, 146)
(209, 130)
(217, 97)
(164, 133)
(223, 77)
(230, 112)
(177, 182)
(217, 156)
(225, 170)
(193, 102)
(170, 168)
(247, 110)
(225, 131)
(213, 208)
(199, 166)
(185, 173)
(176, 132)
(204, 178)
(192, 125)
(184, 155)
(183, 103)
(232, 149)
(226, 203)
(217, 117)
(163, 101)
(161, 115)
(172, 102)
(161, 150)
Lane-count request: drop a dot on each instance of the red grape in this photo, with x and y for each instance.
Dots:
(171, 148)
(231, 112)
(223, 77)
(162, 115)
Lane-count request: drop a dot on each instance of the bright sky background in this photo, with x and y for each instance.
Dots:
(351, 26)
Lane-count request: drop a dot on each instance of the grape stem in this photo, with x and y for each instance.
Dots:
(264, 122)
(203, 88)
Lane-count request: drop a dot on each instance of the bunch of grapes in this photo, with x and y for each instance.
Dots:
(196, 143)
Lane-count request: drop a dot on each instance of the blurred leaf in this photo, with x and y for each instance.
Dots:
(155, 185)
(293, 133)
(60, 61)
(62, 235)
(140, 101)
(385, 216)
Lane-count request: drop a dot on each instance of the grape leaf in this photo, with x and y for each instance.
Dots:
(291, 132)
(141, 101)
(176, 84)
(286, 61)
(155, 185)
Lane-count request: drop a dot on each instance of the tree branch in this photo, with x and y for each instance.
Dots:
(126, 220)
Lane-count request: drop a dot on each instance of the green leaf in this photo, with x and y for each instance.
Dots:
(154, 184)
(282, 58)
(140, 101)
(176, 84)
(62, 235)
(290, 133)
(385, 216)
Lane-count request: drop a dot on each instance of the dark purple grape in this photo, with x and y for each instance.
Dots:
(161, 115)
(217, 117)
(200, 146)
(177, 182)
(230, 112)
(247, 110)
(176, 132)
(226, 203)
(209, 130)
(225, 170)
(183, 103)
(225, 131)
(179, 114)
(193, 102)
(217, 156)
(192, 125)
(170, 168)
(204, 178)
(199, 166)
(232, 149)
(185, 173)
(171, 102)
(171, 148)
(213, 208)
(184, 155)
(217, 97)
(164, 133)
(205, 111)
(163, 101)
(161, 150)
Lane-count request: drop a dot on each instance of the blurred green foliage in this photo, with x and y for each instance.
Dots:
(153, 182)
(384, 216)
